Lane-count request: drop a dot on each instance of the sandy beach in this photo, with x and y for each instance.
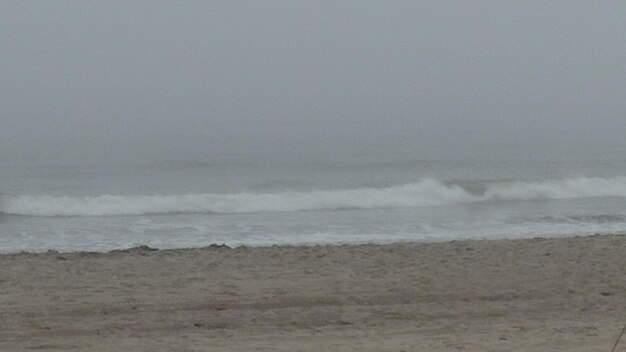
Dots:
(565, 294)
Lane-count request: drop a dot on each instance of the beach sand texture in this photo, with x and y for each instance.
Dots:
(562, 294)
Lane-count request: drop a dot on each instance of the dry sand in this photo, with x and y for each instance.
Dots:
(565, 294)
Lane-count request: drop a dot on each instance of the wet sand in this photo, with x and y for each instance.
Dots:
(566, 294)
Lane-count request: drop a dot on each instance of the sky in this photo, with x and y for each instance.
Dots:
(123, 81)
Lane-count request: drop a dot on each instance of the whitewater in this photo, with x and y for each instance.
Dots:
(427, 192)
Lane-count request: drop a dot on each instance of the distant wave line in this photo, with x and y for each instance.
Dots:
(427, 192)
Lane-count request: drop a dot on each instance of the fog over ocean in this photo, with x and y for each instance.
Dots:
(185, 124)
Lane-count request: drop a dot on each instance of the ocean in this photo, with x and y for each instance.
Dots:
(182, 203)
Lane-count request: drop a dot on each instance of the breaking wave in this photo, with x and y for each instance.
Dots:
(427, 192)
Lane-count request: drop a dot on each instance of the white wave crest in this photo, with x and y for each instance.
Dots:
(424, 193)
(582, 187)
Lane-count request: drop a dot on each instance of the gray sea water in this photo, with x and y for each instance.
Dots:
(259, 123)
(352, 199)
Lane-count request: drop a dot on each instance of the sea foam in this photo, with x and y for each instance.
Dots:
(427, 192)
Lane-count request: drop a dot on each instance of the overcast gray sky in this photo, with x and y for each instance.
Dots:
(126, 80)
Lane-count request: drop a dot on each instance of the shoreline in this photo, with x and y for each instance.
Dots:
(213, 246)
(543, 294)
